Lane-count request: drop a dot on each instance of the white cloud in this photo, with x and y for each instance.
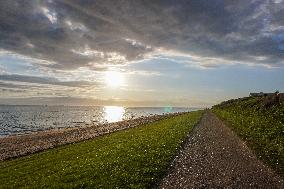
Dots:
(76, 26)
(137, 43)
(87, 51)
(115, 57)
(52, 16)
(144, 73)
(278, 1)
(112, 57)
(26, 58)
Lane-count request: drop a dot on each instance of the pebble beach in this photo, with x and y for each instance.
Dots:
(20, 145)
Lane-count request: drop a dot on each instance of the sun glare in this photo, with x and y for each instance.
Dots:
(113, 113)
(114, 79)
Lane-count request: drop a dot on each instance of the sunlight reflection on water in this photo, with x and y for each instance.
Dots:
(113, 113)
(27, 119)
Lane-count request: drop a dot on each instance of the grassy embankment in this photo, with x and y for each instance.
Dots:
(262, 127)
(134, 158)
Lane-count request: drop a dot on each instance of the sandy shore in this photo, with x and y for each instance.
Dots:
(20, 145)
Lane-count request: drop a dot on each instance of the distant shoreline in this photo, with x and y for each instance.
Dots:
(51, 105)
(18, 120)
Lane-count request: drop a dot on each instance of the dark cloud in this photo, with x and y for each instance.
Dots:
(73, 33)
(41, 80)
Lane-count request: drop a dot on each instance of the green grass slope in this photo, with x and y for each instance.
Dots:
(262, 126)
(134, 158)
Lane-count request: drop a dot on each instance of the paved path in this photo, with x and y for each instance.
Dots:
(214, 157)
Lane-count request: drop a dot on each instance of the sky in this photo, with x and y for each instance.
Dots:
(139, 53)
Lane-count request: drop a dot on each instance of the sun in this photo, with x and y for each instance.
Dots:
(114, 79)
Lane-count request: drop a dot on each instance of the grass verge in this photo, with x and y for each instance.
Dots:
(262, 128)
(134, 158)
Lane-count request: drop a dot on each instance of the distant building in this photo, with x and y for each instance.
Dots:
(256, 94)
(281, 97)
(270, 99)
(260, 94)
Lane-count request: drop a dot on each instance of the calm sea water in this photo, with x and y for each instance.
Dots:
(26, 119)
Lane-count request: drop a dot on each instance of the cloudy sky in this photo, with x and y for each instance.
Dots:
(139, 52)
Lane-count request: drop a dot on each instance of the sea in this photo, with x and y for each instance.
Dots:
(17, 120)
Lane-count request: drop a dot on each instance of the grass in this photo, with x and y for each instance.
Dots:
(134, 158)
(262, 128)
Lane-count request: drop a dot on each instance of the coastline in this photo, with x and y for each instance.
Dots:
(20, 145)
